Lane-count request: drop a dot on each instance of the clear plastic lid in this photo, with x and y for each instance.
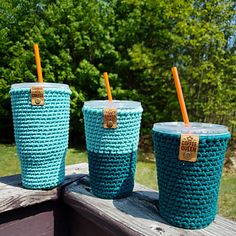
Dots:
(45, 85)
(194, 128)
(120, 104)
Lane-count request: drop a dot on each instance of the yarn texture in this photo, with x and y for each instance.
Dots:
(188, 191)
(112, 175)
(41, 136)
(112, 152)
(123, 139)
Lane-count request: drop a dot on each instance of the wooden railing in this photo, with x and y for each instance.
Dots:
(71, 209)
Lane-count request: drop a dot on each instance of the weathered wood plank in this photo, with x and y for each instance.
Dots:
(13, 196)
(135, 215)
(37, 225)
(78, 224)
(47, 218)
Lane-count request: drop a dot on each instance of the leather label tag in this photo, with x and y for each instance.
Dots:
(37, 95)
(188, 148)
(110, 118)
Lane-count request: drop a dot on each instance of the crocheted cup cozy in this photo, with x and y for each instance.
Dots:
(188, 191)
(112, 152)
(41, 135)
(112, 175)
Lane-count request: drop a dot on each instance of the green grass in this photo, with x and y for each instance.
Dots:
(10, 165)
(145, 174)
(75, 156)
(227, 196)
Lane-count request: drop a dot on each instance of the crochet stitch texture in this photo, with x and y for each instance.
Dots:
(112, 152)
(188, 191)
(112, 175)
(41, 136)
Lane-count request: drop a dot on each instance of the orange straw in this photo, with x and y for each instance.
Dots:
(38, 64)
(180, 96)
(105, 75)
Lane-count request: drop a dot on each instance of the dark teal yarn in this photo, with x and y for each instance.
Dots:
(112, 152)
(112, 175)
(41, 136)
(188, 191)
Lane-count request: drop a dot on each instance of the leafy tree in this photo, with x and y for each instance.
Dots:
(137, 42)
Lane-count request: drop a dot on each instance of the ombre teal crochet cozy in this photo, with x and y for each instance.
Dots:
(112, 152)
(41, 133)
(188, 191)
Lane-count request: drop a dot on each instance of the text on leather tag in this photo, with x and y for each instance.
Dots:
(188, 148)
(110, 118)
(37, 95)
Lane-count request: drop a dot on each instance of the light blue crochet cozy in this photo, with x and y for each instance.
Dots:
(41, 134)
(112, 152)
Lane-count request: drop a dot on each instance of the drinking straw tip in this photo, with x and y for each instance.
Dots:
(105, 75)
(38, 63)
(174, 68)
(180, 96)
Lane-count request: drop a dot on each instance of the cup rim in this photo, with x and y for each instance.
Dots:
(194, 128)
(45, 85)
(120, 104)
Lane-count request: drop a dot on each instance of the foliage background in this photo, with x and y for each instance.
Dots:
(137, 42)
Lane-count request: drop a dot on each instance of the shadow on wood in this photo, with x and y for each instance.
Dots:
(72, 209)
(48, 218)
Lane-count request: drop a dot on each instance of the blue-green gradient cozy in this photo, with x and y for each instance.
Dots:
(188, 191)
(41, 136)
(112, 152)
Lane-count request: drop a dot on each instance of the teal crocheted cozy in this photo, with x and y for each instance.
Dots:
(112, 152)
(41, 135)
(112, 175)
(188, 191)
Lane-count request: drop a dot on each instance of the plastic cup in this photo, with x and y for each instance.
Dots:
(41, 133)
(188, 191)
(112, 152)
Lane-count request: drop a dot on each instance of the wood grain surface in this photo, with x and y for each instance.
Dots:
(13, 195)
(134, 215)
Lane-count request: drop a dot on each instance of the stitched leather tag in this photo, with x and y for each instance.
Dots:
(110, 118)
(188, 148)
(37, 95)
